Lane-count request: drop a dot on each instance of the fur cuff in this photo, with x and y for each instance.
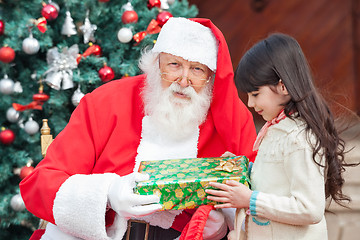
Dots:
(53, 232)
(80, 206)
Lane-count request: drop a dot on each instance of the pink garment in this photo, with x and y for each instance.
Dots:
(264, 129)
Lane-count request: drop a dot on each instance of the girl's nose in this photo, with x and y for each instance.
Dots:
(250, 102)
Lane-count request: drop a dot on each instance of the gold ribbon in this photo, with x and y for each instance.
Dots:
(229, 165)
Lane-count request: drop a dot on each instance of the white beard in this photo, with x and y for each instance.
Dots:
(175, 117)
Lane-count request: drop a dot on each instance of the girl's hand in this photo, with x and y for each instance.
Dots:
(232, 194)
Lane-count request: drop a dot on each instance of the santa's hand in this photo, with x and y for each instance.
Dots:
(126, 203)
(215, 227)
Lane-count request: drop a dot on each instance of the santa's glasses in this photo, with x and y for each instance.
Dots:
(192, 81)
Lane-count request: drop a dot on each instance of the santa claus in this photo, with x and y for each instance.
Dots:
(185, 105)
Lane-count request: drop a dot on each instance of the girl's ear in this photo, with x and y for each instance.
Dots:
(282, 88)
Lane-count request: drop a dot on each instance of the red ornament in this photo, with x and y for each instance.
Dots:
(40, 97)
(106, 74)
(92, 50)
(25, 171)
(97, 51)
(38, 100)
(104, 0)
(153, 3)
(129, 16)
(7, 54)
(2, 27)
(49, 12)
(7, 137)
(163, 17)
(152, 28)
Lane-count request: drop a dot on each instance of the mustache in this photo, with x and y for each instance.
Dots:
(187, 91)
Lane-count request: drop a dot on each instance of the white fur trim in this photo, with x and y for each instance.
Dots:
(118, 228)
(188, 39)
(155, 146)
(80, 206)
(53, 233)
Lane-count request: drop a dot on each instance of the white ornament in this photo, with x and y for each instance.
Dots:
(17, 203)
(33, 75)
(125, 35)
(17, 87)
(31, 127)
(164, 4)
(6, 85)
(59, 75)
(12, 115)
(88, 29)
(30, 45)
(21, 123)
(68, 28)
(77, 96)
(127, 7)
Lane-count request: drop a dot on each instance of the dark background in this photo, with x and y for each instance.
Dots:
(327, 30)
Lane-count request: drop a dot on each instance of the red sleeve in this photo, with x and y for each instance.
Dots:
(72, 152)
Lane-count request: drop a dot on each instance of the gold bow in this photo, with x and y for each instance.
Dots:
(229, 165)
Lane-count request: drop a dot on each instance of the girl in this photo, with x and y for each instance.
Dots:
(300, 157)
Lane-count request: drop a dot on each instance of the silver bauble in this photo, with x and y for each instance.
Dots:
(31, 127)
(17, 203)
(6, 85)
(12, 115)
(125, 35)
(30, 45)
(76, 97)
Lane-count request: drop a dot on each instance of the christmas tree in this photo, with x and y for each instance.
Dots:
(51, 54)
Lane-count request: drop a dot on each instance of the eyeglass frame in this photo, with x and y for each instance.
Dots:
(179, 78)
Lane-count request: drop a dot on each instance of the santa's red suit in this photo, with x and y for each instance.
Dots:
(105, 137)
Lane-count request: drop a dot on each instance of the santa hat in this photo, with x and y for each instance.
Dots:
(188, 39)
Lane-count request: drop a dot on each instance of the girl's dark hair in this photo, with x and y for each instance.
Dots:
(280, 57)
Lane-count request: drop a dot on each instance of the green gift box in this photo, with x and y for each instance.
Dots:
(181, 183)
